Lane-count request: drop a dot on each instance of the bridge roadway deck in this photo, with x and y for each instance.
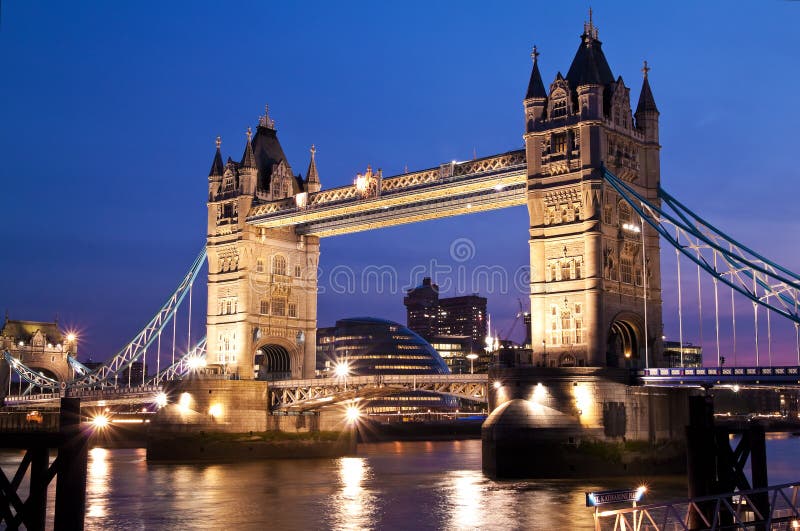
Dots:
(489, 183)
(89, 397)
(712, 376)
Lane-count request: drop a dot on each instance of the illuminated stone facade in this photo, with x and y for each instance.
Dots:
(40, 346)
(589, 277)
(262, 282)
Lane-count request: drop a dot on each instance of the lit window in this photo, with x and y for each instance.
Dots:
(279, 265)
(264, 309)
(565, 270)
(626, 270)
(278, 307)
(292, 309)
(559, 142)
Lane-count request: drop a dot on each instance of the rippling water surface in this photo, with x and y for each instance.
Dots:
(408, 485)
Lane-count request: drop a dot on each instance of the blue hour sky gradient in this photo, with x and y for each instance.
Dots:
(109, 112)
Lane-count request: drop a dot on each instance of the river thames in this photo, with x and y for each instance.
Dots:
(400, 485)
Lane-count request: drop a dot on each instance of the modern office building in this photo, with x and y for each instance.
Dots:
(454, 350)
(687, 355)
(430, 316)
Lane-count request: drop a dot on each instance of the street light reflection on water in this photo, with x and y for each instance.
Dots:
(354, 504)
(97, 482)
(392, 485)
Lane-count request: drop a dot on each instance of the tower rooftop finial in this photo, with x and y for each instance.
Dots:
(645, 69)
(535, 54)
(249, 133)
(589, 28)
(313, 150)
(219, 142)
(266, 121)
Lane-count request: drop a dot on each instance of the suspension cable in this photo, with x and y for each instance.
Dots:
(680, 302)
(644, 296)
(716, 310)
(174, 333)
(144, 364)
(755, 319)
(733, 314)
(699, 297)
(189, 338)
(769, 336)
(158, 357)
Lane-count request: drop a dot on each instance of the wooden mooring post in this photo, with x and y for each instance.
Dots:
(69, 468)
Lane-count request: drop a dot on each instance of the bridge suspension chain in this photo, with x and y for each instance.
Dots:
(746, 272)
(137, 347)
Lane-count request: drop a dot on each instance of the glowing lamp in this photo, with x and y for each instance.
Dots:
(161, 399)
(342, 369)
(100, 421)
(352, 414)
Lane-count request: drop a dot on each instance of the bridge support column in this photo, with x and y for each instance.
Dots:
(700, 456)
(71, 478)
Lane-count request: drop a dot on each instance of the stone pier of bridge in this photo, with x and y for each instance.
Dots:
(582, 422)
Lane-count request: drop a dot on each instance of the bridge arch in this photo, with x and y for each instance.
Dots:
(276, 358)
(624, 340)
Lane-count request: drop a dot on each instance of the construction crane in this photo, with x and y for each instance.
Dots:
(520, 313)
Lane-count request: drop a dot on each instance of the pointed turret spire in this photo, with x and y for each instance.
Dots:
(249, 158)
(217, 168)
(311, 174)
(312, 177)
(646, 101)
(589, 67)
(535, 85)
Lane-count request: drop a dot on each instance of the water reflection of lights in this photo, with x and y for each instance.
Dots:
(465, 502)
(355, 504)
(97, 483)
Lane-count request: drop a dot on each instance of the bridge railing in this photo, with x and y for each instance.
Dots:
(738, 510)
(785, 375)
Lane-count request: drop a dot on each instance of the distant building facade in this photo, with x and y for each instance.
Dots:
(41, 346)
(454, 351)
(686, 355)
(430, 316)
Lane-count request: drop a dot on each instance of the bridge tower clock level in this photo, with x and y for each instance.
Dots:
(262, 282)
(595, 270)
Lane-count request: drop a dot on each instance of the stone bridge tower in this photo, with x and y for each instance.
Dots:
(41, 346)
(595, 296)
(262, 287)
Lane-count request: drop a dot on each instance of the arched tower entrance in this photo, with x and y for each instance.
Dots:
(624, 344)
(272, 362)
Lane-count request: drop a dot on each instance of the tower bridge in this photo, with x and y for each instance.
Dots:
(589, 175)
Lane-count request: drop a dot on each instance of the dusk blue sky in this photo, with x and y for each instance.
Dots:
(109, 112)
